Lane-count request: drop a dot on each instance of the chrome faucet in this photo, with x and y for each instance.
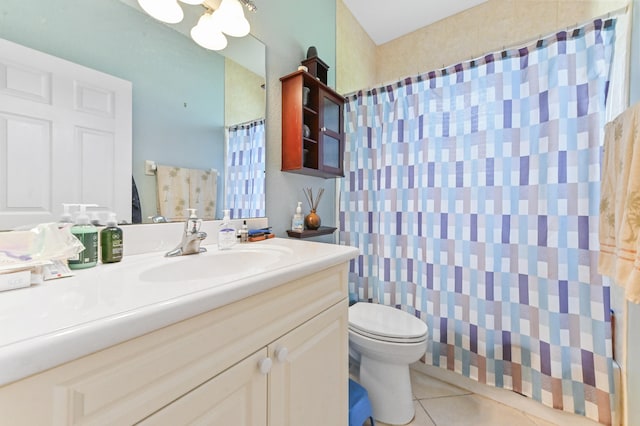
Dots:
(191, 237)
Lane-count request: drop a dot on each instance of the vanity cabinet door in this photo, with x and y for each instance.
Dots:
(309, 379)
(237, 397)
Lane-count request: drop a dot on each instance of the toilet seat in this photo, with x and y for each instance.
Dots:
(385, 323)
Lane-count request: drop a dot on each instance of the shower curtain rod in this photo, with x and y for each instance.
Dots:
(236, 126)
(613, 13)
(608, 15)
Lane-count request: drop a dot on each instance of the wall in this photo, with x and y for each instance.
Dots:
(288, 28)
(355, 53)
(489, 27)
(245, 98)
(178, 87)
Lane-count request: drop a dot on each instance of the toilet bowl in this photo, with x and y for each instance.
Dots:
(385, 341)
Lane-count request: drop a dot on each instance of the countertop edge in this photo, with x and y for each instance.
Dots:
(35, 355)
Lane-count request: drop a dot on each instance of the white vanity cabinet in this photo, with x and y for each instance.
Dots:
(210, 369)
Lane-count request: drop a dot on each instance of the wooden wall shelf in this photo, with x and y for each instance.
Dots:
(308, 233)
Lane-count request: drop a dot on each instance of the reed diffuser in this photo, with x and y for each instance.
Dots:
(312, 220)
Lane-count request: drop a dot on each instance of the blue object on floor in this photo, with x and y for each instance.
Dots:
(353, 298)
(359, 405)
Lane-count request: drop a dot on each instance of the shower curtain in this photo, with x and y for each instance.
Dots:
(245, 168)
(472, 193)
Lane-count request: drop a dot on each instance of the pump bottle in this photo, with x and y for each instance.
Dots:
(66, 220)
(111, 242)
(297, 223)
(84, 231)
(226, 233)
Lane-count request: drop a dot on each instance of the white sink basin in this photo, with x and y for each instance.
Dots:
(214, 264)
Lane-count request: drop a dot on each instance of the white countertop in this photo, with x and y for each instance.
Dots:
(61, 320)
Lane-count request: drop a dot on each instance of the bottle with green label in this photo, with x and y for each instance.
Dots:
(111, 247)
(84, 231)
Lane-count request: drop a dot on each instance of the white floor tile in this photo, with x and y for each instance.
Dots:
(425, 387)
(539, 422)
(473, 410)
(421, 418)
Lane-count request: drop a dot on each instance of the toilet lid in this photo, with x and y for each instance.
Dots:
(386, 323)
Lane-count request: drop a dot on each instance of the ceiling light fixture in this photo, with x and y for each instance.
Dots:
(232, 20)
(168, 11)
(207, 33)
(228, 18)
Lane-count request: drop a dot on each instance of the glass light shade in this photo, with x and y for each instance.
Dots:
(207, 33)
(168, 11)
(232, 20)
(192, 2)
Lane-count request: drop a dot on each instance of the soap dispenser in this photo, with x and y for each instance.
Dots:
(66, 220)
(297, 223)
(84, 231)
(111, 248)
(226, 233)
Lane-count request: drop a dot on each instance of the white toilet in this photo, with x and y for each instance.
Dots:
(385, 341)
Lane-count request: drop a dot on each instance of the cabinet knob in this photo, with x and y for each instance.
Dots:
(265, 365)
(282, 354)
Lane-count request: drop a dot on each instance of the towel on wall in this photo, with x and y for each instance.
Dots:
(620, 203)
(181, 188)
(203, 191)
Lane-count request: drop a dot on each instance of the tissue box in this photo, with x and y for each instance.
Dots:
(13, 280)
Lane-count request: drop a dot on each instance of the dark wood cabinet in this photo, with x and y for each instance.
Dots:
(312, 127)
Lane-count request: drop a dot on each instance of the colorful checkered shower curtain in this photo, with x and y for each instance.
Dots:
(245, 168)
(472, 193)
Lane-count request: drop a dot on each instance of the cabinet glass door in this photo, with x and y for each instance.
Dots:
(331, 135)
(331, 115)
(330, 151)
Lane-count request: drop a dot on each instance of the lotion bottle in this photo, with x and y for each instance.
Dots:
(297, 223)
(84, 231)
(111, 247)
(226, 233)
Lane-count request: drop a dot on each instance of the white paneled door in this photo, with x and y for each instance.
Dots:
(65, 137)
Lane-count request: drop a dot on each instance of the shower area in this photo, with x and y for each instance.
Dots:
(473, 195)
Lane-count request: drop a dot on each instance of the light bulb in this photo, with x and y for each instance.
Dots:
(207, 33)
(232, 20)
(168, 11)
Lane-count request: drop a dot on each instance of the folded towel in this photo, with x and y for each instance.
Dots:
(620, 203)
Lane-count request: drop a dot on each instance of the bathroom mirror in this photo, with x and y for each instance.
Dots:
(180, 90)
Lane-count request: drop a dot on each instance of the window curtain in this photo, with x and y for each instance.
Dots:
(472, 193)
(245, 169)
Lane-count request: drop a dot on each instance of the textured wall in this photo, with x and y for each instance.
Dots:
(244, 97)
(488, 27)
(355, 53)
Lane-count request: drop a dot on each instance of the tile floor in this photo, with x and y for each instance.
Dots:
(441, 404)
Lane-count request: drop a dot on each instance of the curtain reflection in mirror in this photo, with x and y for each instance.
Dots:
(245, 169)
